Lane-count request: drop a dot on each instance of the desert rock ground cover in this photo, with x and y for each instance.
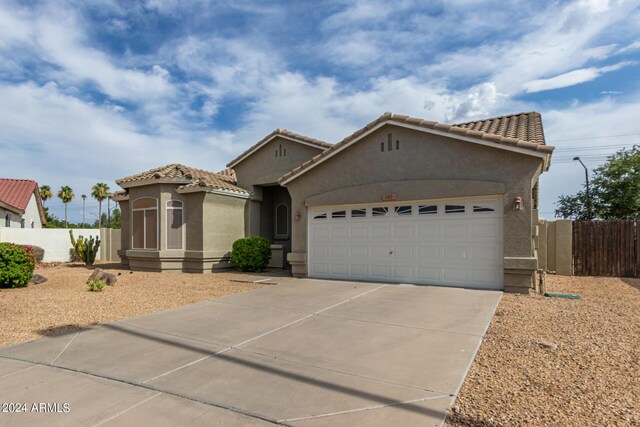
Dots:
(592, 378)
(62, 304)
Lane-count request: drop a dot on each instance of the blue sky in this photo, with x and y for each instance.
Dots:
(96, 90)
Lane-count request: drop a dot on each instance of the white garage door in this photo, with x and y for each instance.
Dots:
(453, 243)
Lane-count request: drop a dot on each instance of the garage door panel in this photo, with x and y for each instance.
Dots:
(485, 253)
(428, 230)
(403, 273)
(359, 270)
(339, 269)
(403, 231)
(339, 251)
(455, 229)
(320, 231)
(359, 251)
(455, 253)
(429, 274)
(339, 232)
(320, 250)
(380, 251)
(380, 231)
(455, 275)
(359, 232)
(428, 246)
(427, 253)
(403, 253)
(319, 268)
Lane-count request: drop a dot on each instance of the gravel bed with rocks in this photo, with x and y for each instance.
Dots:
(558, 362)
(62, 303)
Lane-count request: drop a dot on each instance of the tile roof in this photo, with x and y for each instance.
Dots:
(189, 177)
(523, 126)
(229, 175)
(16, 193)
(497, 130)
(282, 132)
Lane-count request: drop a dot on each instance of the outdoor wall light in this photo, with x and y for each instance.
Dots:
(298, 215)
(517, 203)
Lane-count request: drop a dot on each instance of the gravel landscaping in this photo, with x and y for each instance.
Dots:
(62, 304)
(592, 377)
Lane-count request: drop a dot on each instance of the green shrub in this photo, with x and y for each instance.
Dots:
(95, 285)
(251, 254)
(16, 265)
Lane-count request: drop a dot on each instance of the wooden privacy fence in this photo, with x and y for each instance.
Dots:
(606, 248)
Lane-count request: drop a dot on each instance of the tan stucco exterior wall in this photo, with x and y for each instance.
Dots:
(263, 168)
(426, 166)
(211, 223)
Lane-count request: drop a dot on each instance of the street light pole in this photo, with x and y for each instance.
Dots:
(586, 177)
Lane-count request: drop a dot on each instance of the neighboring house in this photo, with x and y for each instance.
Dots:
(402, 200)
(20, 204)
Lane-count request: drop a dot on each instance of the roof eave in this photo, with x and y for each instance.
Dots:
(152, 181)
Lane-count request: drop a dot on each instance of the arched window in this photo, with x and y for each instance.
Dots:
(174, 224)
(144, 223)
(282, 221)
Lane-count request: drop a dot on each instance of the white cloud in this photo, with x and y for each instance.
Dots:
(572, 77)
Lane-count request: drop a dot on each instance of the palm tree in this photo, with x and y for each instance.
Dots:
(66, 195)
(84, 198)
(100, 191)
(45, 193)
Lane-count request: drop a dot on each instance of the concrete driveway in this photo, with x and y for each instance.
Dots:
(303, 353)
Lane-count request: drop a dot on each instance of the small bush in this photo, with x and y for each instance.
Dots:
(95, 285)
(251, 254)
(16, 265)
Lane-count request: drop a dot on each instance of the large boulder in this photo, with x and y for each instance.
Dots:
(109, 279)
(36, 279)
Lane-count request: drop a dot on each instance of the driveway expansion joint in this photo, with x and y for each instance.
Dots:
(367, 408)
(237, 346)
(148, 387)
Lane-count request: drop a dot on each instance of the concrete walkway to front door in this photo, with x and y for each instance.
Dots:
(304, 353)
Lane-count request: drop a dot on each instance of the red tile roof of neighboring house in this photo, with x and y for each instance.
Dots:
(16, 193)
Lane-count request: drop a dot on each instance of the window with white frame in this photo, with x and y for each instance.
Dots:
(144, 223)
(282, 221)
(174, 224)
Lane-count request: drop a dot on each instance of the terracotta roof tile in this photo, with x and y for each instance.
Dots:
(16, 193)
(522, 126)
(316, 142)
(189, 177)
(522, 130)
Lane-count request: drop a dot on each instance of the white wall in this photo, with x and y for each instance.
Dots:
(55, 241)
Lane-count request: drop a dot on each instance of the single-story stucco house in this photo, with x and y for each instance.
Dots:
(402, 200)
(20, 204)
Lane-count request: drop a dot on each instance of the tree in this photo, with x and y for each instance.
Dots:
(45, 193)
(615, 190)
(84, 198)
(66, 195)
(100, 191)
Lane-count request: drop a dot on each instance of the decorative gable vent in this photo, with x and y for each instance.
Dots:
(281, 152)
(389, 145)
